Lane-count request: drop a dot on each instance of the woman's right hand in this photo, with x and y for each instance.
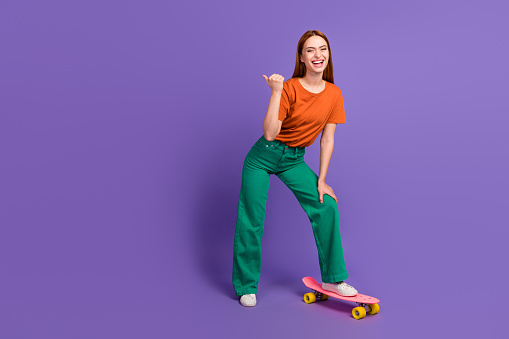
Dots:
(275, 82)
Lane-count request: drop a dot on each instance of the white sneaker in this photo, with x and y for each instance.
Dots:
(248, 300)
(342, 289)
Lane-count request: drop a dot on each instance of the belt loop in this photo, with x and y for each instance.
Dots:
(296, 149)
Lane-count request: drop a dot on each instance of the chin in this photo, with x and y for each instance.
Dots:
(316, 70)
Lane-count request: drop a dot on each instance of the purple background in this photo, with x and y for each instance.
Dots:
(124, 126)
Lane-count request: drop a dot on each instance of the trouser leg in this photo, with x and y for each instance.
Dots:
(324, 219)
(249, 228)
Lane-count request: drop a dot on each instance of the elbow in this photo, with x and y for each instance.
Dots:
(327, 141)
(270, 135)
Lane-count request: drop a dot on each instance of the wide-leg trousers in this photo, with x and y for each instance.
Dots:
(274, 157)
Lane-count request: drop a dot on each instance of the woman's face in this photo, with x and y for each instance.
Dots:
(315, 54)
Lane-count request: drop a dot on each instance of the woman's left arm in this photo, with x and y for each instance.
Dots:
(326, 147)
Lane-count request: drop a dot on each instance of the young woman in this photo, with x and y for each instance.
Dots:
(299, 110)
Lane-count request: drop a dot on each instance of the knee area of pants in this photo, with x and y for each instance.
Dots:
(329, 202)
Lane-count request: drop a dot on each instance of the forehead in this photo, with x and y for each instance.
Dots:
(315, 41)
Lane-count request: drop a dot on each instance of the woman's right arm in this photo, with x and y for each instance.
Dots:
(271, 123)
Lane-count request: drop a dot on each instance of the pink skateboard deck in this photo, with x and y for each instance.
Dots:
(364, 301)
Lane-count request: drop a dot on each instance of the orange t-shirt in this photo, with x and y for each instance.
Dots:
(304, 114)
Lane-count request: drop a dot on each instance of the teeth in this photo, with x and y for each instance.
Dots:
(317, 62)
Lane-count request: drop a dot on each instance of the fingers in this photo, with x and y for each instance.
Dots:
(277, 77)
(331, 193)
(274, 77)
(327, 190)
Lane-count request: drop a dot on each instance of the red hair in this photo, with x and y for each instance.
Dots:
(300, 68)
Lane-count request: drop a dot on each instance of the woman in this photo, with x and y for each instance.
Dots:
(299, 109)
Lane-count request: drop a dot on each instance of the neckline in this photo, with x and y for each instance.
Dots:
(302, 86)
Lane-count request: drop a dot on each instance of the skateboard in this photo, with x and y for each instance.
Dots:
(363, 301)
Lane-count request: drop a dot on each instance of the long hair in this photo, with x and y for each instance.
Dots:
(300, 68)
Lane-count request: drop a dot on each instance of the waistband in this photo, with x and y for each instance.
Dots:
(276, 144)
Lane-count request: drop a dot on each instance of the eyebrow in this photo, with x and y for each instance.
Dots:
(318, 47)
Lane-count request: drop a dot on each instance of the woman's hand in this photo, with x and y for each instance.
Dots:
(275, 82)
(323, 188)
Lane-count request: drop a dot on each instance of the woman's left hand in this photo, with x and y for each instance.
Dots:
(323, 188)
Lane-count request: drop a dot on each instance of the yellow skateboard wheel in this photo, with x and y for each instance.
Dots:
(324, 297)
(359, 312)
(309, 298)
(373, 309)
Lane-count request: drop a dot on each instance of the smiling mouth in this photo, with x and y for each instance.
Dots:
(318, 62)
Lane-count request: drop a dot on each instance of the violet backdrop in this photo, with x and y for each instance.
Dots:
(124, 126)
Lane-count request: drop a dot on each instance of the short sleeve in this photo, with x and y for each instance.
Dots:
(284, 105)
(338, 112)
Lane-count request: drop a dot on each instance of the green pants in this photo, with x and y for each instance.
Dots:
(274, 157)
